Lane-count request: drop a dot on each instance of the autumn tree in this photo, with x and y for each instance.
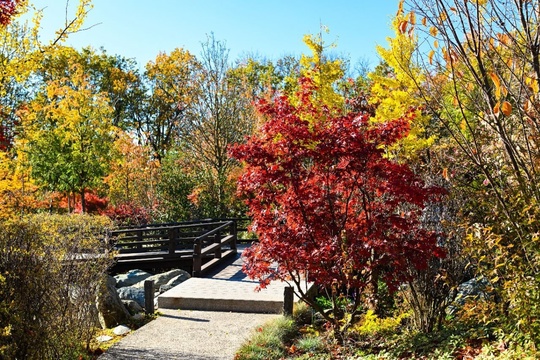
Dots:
(21, 54)
(68, 135)
(170, 83)
(328, 207)
(394, 87)
(8, 8)
(481, 61)
(133, 174)
(220, 116)
(113, 75)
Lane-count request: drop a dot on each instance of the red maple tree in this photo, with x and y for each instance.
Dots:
(8, 8)
(328, 206)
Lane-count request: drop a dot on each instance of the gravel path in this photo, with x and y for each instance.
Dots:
(189, 335)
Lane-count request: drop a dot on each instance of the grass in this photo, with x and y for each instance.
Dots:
(269, 341)
(298, 338)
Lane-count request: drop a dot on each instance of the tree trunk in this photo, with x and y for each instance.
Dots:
(83, 202)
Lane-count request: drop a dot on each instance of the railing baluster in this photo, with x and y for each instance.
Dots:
(197, 259)
(234, 233)
(217, 240)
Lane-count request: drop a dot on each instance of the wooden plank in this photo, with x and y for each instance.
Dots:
(210, 264)
(227, 239)
(162, 254)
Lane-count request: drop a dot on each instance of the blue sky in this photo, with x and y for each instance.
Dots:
(141, 29)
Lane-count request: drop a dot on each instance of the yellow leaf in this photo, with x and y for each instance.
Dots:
(497, 83)
(435, 44)
(412, 18)
(431, 53)
(445, 174)
(506, 108)
(534, 86)
(443, 17)
(496, 110)
(433, 31)
(424, 21)
(400, 8)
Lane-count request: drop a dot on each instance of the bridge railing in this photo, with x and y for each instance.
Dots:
(200, 243)
(214, 242)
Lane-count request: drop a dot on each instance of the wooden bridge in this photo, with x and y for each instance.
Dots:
(195, 246)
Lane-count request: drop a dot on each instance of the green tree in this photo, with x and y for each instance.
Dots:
(68, 135)
(113, 75)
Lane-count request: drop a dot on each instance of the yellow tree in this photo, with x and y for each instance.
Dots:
(21, 52)
(394, 90)
(68, 136)
(324, 72)
(171, 88)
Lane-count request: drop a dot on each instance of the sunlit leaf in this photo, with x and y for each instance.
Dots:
(506, 108)
(403, 26)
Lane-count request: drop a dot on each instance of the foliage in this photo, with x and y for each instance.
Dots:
(47, 306)
(371, 324)
(68, 136)
(115, 76)
(162, 114)
(269, 341)
(134, 175)
(176, 188)
(8, 8)
(327, 205)
(394, 91)
(481, 65)
(16, 189)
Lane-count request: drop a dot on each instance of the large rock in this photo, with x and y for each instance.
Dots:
(132, 306)
(111, 310)
(131, 277)
(163, 278)
(132, 293)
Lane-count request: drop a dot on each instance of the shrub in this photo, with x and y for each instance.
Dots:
(269, 341)
(48, 292)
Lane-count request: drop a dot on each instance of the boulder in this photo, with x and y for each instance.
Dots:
(111, 310)
(132, 306)
(131, 277)
(163, 278)
(177, 280)
(132, 293)
(475, 288)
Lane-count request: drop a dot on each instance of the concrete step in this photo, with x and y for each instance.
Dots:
(224, 295)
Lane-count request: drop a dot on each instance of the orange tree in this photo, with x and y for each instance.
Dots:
(329, 207)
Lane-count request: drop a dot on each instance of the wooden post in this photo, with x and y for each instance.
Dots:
(139, 239)
(197, 259)
(172, 235)
(288, 301)
(234, 232)
(149, 296)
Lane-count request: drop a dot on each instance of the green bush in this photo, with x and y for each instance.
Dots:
(48, 292)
